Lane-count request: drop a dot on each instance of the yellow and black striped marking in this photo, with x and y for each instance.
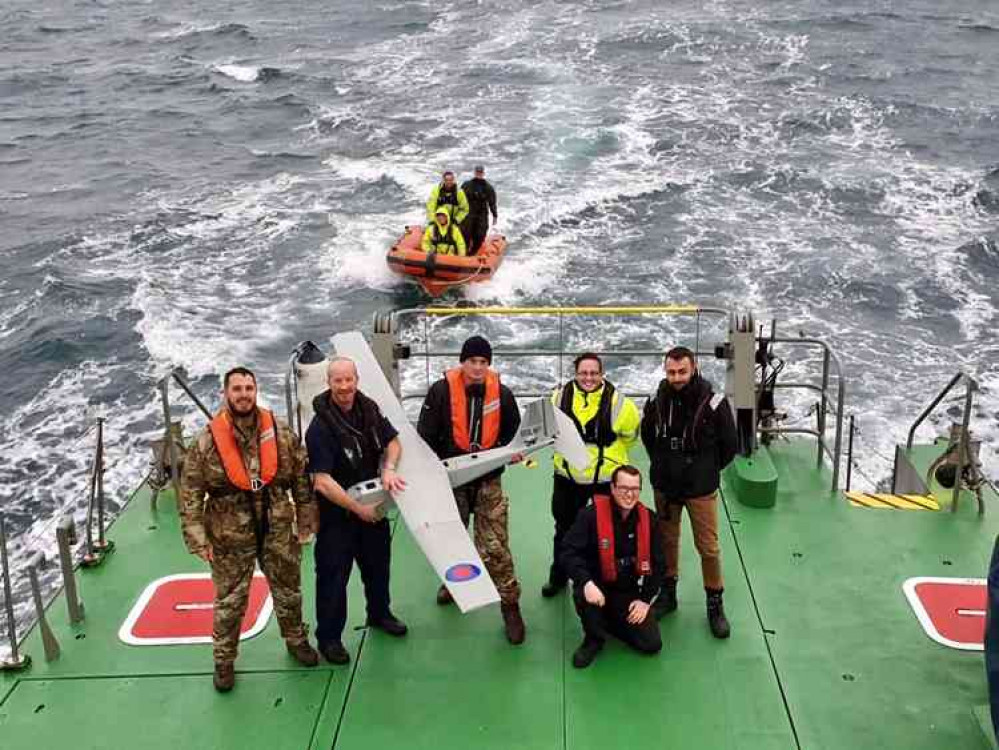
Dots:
(892, 502)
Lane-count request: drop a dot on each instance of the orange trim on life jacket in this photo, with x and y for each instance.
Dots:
(232, 458)
(605, 539)
(459, 410)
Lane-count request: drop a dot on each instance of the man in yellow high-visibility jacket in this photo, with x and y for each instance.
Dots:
(608, 421)
(442, 236)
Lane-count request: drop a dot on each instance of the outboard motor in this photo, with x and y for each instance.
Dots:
(309, 367)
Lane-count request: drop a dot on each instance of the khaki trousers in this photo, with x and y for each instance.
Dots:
(703, 512)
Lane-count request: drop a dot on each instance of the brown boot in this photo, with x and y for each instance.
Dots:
(513, 623)
(225, 676)
(303, 653)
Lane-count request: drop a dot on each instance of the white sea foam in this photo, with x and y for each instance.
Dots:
(241, 73)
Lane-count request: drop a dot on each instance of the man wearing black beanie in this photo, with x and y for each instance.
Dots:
(469, 410)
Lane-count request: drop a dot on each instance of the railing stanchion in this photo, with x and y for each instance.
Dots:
(16, 660)
(849, 454)
(963, 448)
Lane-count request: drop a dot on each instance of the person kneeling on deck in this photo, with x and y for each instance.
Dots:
(466, 411)
(616, 564)
(235, 511)
(350, 441)
(689, 433)
(442, 237)
(608, 423)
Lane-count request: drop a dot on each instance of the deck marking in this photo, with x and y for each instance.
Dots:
(178, 609)
(883, 500)
(951, 610)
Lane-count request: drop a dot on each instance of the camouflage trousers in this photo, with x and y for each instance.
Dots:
(234, 551)
(491, 508)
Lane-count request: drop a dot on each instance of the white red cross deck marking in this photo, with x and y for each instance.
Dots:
(178, 609)
(951, 610)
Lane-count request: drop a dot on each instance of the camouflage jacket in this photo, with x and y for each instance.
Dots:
(205, 491)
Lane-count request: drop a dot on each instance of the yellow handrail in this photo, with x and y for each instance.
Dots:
(592, 310)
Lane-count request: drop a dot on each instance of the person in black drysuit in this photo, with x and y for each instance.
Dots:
(481, 202)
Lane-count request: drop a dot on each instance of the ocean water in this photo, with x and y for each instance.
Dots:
(206, 184)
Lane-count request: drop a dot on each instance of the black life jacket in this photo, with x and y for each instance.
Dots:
(599, 430)
(361, 448)
(447, 197)
(444, 239)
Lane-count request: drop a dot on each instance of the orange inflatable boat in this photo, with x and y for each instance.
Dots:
(437, 273)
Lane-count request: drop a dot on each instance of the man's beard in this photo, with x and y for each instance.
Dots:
(236, 412)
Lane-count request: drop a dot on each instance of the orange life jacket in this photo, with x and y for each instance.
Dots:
(232, 459)
(459, 411)
(605, 539)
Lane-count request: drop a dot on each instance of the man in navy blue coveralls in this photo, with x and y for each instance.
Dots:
(349, 441)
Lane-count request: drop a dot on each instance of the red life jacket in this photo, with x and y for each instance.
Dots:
(605, 539)
(232, 459)
(459, 410)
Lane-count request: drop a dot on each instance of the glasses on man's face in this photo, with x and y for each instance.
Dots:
(628, 490)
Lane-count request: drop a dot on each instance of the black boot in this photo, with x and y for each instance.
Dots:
(666, 602)
(553, 587)
(389, 624)
(716, 614)
(586, 653)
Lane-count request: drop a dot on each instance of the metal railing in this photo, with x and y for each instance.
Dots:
(170, 447)
(16, 660)
(829, 360)
(831, 365)
(560, 313)
(971, 386)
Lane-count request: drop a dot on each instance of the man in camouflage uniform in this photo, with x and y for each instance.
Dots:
(466, 411)
(235, 510)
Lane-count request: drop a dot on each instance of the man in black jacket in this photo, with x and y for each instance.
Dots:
(481, 202)
(349, 441)
(466, 411)
(616, 563)
(690, 436)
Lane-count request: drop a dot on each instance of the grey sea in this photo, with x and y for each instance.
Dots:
(206, 184)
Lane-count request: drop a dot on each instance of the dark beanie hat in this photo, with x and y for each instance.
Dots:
(476, 346)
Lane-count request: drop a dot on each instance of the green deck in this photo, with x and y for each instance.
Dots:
(825, 651)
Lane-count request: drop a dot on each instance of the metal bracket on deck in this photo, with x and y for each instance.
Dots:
(66, 537)
(49, 642)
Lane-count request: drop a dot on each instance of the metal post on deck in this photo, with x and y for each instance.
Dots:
(963, 447)
(849, 454)
(16, 660)
(65, 536)
(49, 642)
(102, 543)
(561, 347)
(96, 551)
(822, 407)
(838, 440)
(170, 447)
